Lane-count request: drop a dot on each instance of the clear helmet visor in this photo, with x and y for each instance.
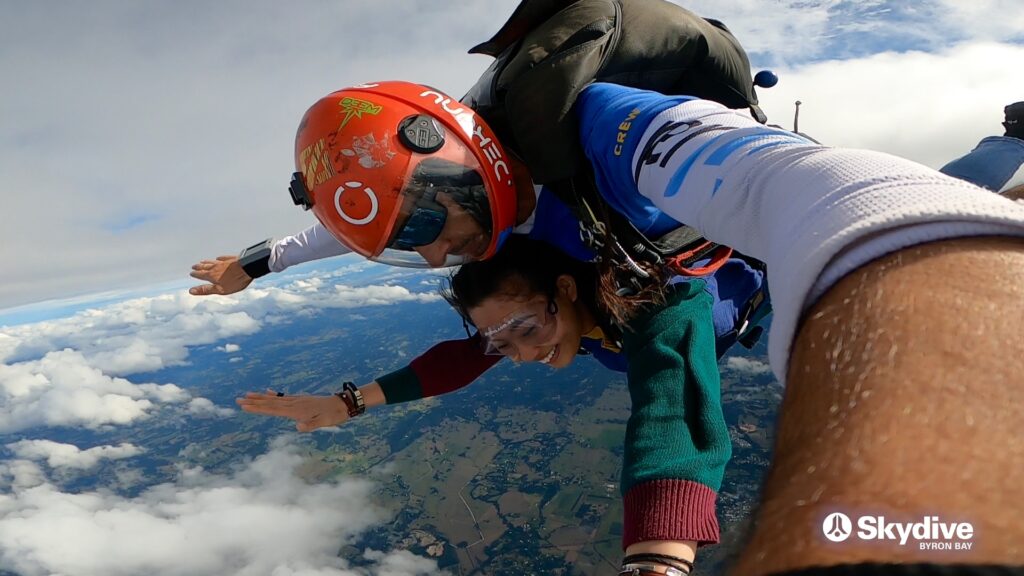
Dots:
(445, 217)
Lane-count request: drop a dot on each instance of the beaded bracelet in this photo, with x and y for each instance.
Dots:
(352, 398)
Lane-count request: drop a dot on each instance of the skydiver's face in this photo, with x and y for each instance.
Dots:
(528, 327)
(462, 236)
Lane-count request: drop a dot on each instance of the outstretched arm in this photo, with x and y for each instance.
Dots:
(309, 412)
(445, 367)
(811, 213)
(224, 275)
(677, 442)
(903, 401)
(899, 301)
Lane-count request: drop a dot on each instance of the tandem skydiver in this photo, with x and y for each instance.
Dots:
(874, 263)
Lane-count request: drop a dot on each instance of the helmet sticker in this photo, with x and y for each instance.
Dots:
(371, 153)
(315, 164)
(355, 108)
(373, 203)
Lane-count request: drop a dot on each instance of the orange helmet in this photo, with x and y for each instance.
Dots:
(392, 166)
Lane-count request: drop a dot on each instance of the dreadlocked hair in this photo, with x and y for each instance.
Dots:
(524, 267)
(623, 302)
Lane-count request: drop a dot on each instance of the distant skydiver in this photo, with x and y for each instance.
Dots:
(997, 162)
(875, 261)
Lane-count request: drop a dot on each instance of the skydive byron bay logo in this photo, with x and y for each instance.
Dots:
(837, 527)
(930, 533)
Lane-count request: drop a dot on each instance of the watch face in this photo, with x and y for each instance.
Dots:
(256, 248)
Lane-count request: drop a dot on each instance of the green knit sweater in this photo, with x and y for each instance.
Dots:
(677, 443)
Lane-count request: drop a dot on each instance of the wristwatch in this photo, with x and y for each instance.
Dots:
(255, 259)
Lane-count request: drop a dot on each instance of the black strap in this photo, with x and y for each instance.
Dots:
(581, 195)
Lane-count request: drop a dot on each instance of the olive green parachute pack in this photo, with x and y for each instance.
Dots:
(550, 50)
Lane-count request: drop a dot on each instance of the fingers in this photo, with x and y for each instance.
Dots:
(308, 412)
(206, 272)
(205, 289)
(211, 264)
(201, 274)
(262, 403)
(270, 404)
(215, 262)
(224, 274)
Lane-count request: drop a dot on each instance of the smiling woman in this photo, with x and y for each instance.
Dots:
(533, 303)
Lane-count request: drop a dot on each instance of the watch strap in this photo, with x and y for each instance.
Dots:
(353, 399)
(255, 259)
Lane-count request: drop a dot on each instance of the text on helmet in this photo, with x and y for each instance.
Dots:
(466, 118)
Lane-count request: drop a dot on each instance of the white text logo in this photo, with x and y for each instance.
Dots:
(928, 534)
(465, 119)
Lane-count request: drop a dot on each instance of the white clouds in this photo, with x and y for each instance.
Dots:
(930, 108)
(401, 563)
(204, 407)
(58, 455)
(71, 371)
(260, 520)
(801, 31)
(746, 366)
(137, 335)
(347, 297)
(993, 20)
(787, 30)
(148, 334)
(63, 389)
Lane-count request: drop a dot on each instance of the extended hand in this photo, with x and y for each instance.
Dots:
(308, 412)
(225, 275)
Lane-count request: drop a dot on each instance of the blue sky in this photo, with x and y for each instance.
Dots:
(138, 138)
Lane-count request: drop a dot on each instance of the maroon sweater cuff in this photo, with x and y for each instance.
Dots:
(669, 510)
(451, 365)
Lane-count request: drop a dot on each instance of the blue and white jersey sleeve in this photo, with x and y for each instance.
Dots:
(996, 163)
(811, 213)
(612, 118)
